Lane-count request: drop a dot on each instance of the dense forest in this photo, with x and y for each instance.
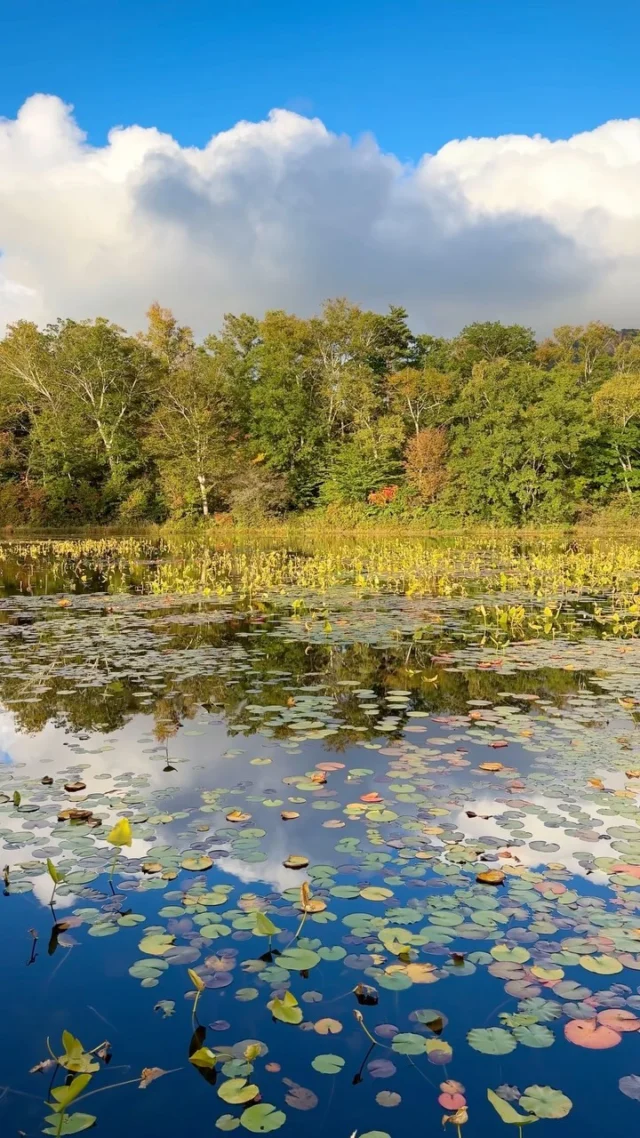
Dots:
(349, 413)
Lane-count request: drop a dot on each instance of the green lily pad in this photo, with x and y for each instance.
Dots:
(407, 1043)
(262, 1118)
(545, 1102)
(298, 959)
(328, 1064)
(491, 1040)
(237, 1091)
(534, 1035)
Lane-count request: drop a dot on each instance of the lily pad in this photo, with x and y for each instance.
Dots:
(491, 1040)
(328, 1064)
(262, 1118)
(545, 1102)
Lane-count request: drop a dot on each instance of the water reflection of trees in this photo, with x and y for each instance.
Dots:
(176, 698)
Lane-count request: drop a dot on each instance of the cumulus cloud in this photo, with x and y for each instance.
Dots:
(284, 213)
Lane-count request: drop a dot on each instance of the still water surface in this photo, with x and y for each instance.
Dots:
(413, 753)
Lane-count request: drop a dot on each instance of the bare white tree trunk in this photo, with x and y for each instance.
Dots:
(203, 495)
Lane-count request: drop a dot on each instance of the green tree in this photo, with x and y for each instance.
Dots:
(188, 434)
(589, 348)
(287, 405)
(490, 341)
(108, 380)
(48, 430)
(617, 404)
(423, 396)
(518, 445)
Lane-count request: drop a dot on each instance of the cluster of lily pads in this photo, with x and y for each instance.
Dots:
(486, 790)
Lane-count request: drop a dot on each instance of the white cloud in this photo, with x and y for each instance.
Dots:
(285, 213)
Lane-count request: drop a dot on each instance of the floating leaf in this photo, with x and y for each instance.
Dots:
(407, 1043)
(327, 1064)
(156, 944)
(149, 1075)
(438, 1051)
(545, 1102)
(490, 877)
(374, 893)
(602, 965)
(619, 1019)
(549, 975)
(196, 862)
(237, 1091)
(298, 959)
(327, 1026)
(71, 1123)
(450, 1101)
(502, 952)
(588, 1033)
(534, 1035)
(388, 1098)
(262, 1118)
(491, 1040)
(630, 1086)
(297, 1097)
(381, 1069)
(227, 1122)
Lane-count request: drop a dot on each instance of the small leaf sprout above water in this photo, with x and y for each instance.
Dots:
(199, 986)
(80, 1067)
(56, 876)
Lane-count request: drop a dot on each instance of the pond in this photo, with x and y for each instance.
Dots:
(337, 837)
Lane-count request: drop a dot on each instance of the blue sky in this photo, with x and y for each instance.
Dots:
(542, 227)
(415, 73)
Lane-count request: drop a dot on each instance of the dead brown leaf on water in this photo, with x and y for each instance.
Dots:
(490, 877)
(72, 814)
(43, 1065)
(149, 1075)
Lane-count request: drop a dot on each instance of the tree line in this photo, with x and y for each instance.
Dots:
(348, 411)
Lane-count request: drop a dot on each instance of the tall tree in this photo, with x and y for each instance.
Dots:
(188, 434)
(589, 348)
(491, 341)
(287, 404)
(109, 378)
(617, 403)
(424, 396)
(425, 462)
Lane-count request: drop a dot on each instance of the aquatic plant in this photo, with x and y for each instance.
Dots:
(120, 835)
